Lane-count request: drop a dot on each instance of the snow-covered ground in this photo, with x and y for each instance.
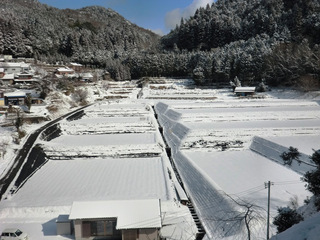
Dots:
(115, 151)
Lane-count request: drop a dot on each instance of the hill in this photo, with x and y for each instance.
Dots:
(275, 42)
(254, 40)
(91, 35)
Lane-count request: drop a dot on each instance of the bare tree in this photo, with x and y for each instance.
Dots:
(28, 101)
(80, 95)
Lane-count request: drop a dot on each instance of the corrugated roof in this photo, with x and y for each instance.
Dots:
(245, 89)
(130, 214)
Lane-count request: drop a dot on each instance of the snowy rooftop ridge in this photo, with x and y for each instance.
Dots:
(130, 214)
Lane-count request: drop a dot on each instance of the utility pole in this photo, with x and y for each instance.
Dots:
(268, 185)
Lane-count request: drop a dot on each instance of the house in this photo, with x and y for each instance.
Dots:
(24, 76)
(8, 79)
(87, 77)
(117, 220)
(14, 98)
(77, 67)
(11, 67)
(244, 91)
(64, 71)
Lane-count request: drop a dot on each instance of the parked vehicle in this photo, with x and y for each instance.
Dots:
(13, 234)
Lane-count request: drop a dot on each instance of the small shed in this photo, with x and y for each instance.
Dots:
(244, 91)
(63, 225)
(119, 219)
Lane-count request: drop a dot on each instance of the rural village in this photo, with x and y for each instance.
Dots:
(155, 158)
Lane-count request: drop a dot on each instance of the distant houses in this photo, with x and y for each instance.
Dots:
(12, 73)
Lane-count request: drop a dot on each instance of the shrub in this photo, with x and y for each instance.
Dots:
(288, 157)
(312, 178)
(286, 218)
(21, 134)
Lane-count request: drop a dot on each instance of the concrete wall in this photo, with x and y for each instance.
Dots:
(148, 234)
(140, 234)
(78, 229)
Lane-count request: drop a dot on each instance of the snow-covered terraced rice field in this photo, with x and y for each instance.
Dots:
(93, 179)
(204, 137)
(113, 152)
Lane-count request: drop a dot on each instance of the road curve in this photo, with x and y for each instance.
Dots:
(23, 152)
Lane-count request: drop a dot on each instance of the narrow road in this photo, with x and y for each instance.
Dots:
(23, 153)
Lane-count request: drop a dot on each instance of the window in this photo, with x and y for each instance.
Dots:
(103, 228)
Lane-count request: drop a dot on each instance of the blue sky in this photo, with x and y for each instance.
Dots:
(157, 15)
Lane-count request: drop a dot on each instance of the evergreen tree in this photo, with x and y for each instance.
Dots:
(286, 218)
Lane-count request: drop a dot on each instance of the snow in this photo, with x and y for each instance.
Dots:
(130, 214)
(92, 179)
(108, 139)
(304, 144)
(308, 229)
(196, 131)
(115, 152)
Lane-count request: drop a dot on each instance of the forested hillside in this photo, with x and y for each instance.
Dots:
(275, 41)
(92, 35)
(272, 40)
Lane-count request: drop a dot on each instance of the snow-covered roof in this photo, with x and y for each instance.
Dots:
(10, 64)
(8, 76)
(15, 94)
(76, 64)
(87, 75)
(130, 214)
(245, 89)
(65, 70)
(24, 65)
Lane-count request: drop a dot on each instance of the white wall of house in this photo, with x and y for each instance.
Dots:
(78, 229)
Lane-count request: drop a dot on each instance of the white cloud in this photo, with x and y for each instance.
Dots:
(173, 17)
(158, 31)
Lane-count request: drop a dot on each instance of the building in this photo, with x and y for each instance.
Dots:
(14, 98)
(117, 220)
(77, 67)
(244, 91)
(64, 71)
(8, 79)
(87, 77)
(15, 68)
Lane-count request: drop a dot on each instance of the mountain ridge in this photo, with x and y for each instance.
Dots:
(32, 29)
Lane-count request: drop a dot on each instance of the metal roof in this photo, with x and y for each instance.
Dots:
(130, 214)
(245, 89)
